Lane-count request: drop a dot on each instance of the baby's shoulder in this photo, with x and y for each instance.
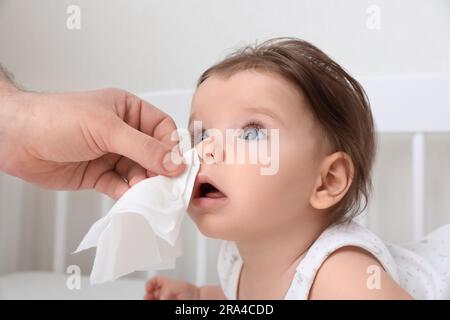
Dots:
(354, 273)
(337, 239)
(344, 256)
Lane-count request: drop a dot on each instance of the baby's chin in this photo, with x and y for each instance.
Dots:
(215, 225)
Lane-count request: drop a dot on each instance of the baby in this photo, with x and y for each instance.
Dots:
(289, 232)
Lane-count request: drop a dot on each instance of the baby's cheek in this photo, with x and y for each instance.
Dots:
(260, 199)
(285, 194)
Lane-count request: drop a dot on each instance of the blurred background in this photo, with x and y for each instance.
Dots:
(153, 45)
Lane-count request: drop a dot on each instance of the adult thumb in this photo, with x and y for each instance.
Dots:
(147, 151)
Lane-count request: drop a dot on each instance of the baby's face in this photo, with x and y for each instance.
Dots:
(244, 203)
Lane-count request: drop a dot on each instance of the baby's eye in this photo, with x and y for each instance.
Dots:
(199, 136)
(252, 131)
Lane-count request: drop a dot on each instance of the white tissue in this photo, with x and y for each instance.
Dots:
(141, 231)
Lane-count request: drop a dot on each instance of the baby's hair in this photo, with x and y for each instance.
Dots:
(337, 101)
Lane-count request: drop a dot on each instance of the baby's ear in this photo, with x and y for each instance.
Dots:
(333, 181)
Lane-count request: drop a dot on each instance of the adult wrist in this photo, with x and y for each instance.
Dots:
(11, 122)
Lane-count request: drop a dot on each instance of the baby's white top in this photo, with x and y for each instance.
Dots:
(422, 269)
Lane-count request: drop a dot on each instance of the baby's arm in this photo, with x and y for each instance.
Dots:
(212, 293)
(164, 288)
(353, 273)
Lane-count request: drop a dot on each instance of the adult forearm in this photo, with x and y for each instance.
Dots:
(8, 118)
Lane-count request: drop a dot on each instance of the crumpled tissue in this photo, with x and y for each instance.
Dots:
(141, 231)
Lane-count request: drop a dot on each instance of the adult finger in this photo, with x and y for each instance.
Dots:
(149, 152)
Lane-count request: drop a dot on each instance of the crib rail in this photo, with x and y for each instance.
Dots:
(401, 104)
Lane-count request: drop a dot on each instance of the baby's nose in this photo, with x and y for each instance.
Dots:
(210, 150)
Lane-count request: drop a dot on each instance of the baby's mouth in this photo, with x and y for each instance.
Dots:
(209, 191)
(206, 193)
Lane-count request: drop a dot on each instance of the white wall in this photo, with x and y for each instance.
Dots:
(150, 45)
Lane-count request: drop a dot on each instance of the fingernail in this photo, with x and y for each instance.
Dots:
(172, 161)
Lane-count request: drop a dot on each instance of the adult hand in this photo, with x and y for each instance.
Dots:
(107, 140)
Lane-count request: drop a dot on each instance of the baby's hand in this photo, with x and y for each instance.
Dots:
(163, 288)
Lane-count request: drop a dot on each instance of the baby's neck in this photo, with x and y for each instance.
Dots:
(276, 256)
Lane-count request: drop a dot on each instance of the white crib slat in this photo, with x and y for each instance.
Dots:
(418, 184)
(202, 259)
(106, 204)
(12, 203)
(60, 231)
